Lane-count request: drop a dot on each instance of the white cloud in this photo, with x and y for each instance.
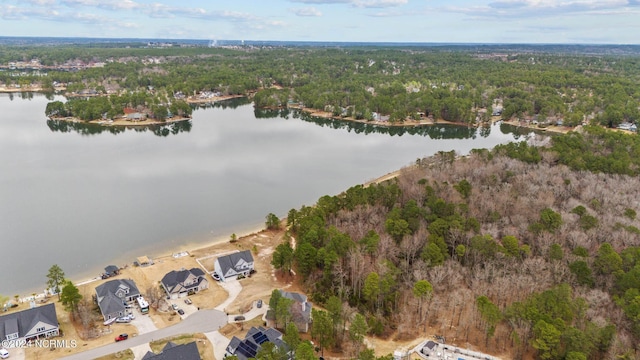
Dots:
(379, 3)
(323, 1)
(41, 2)
(540, 8)
(10, 12)
(357, 3)
(104, 4)
(307, 11)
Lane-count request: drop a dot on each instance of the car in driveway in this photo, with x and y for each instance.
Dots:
(124, 319)
(188, 301)
(122, 337)
(180, 311)
(174, 306)
(239, 318)
(259, 304)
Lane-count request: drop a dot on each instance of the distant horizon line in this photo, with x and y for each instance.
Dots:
(251, 41)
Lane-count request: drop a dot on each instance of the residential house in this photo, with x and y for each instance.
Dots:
(172, 351)
(232, 265)
(184, 282)
(136, 116)
(300, 311)
(252, 343)
(113, 296)
(37, 322)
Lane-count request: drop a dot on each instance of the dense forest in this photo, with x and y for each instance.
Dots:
(521, 250)
(403, 83)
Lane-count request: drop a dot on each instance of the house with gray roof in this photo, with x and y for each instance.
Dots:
(184, 282)
(113, 295)
(300, 311)
(232, 265)
(172, 351)
(252, 343)
(30, 324)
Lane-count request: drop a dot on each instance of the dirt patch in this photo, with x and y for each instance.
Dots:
(240, 329)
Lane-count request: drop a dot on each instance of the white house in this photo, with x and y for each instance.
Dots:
(240, 263)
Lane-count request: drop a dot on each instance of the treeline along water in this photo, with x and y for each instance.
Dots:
(84, 197)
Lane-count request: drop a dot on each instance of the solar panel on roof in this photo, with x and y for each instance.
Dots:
(251, 345)
(260, 338)
(246, 351)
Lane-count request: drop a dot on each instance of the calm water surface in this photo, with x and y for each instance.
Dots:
(84, 200)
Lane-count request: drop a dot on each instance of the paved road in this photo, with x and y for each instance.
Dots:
(202, 321)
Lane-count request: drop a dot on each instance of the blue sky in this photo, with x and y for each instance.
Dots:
(477, 21)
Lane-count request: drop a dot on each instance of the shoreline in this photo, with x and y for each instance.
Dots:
(189, 247)
(312, 112)
(121, 122)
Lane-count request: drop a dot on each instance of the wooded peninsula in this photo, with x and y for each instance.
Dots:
(525, 251)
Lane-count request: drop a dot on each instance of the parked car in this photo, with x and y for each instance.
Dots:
(124, 319)
(259, 303)
(122, 337)
(239, 318)
(174, 306)
(188, 301)
(180, 311)
(4, 353)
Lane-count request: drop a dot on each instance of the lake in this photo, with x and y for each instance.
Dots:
(84, 197)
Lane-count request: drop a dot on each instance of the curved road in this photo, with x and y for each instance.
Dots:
(199, 322)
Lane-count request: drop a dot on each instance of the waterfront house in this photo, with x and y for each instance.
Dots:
(114, 296)
(184, 282)
(34, 323)
(300, 311)
(232, 265)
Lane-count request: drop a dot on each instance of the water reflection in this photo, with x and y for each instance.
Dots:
(86, 129)
(437, 131)
(224, 104)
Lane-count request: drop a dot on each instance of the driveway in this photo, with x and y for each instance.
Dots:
(253, 313)
(140, 351)
(219, 343)
(233, 288)
(203, 321)
(143, 323)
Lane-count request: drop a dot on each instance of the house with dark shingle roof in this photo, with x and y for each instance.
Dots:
(300, 311)
(239, 263)
(113, 295)
(37, 322)
(252, 343)
(171, 351)
(184, 282)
